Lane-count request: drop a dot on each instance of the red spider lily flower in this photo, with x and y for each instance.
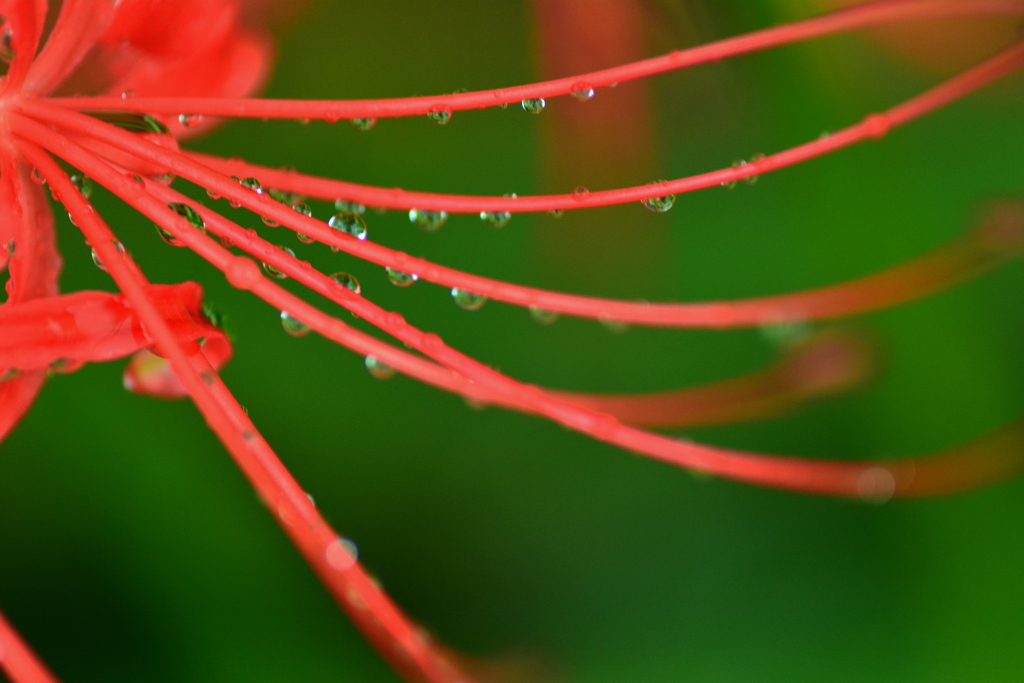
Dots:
(147, 91)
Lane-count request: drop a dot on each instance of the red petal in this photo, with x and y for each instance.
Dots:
(79, 24)
(100, 326)
(27, 224)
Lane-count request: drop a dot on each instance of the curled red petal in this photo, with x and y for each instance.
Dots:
(26, 228)
(78, 26)
(209, 52)
(100, 326)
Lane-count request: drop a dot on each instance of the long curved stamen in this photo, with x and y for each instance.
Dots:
(17, 659)
(827, 477)
(804, 374)
(920, 277)
(380, 619)
(866, 16)
(872, 126)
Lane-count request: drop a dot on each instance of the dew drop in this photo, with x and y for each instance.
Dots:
(189, 214)
(348, 281)
(37, 177)
(83, 183)
(293, 325)
(534, 105)
(349, 223)
(303, 208)
(378, 369)
(466, 300)
(659, 204)
(428, 220)
(269, 222)
(274, 272)
(583, 92)
(439, 116)
(731, 184)
(251, 184)
(752, 179)
(496, 219)
(128, 94)
(305, 239)
(543, 316)
(96, 256)
(189, 120)
(556, 213)
(579, 193)
(400, 278)
(363, 123)
(7, 374)
(6, 253)
(342, 554)
(613, 325)
(65, 366)
(348, 206)
(285, 197)
(168, 237)
(212, 195)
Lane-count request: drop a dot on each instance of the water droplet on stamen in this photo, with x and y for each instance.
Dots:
(363, 124)
(293, 325)
(543, 316)
(251, 184)
(378, 369)
(7, 374)
(428, 220)
(128, 94)
(731, 184)
(556, 213)
(96, 257)
(168, 237)
(439, 116)
(400, 278)
(269, 222)
(37, 177)
(752, 179)
(583, 92)
(274, 272)
(534, 105)
(466, 300)
(579, 193)
(613, 325)
(189, 214)
(659, 204)
(342, 554)
(83, 183)
(189, 120)
(348, 223)
(212, 195)
(348, 206)
(348, 281)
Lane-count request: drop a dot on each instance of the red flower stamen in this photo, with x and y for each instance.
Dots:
(177, 351)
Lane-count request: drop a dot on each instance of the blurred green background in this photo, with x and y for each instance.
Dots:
(132, 549)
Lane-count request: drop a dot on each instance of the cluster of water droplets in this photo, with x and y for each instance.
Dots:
(740, 163)
(428, 220)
